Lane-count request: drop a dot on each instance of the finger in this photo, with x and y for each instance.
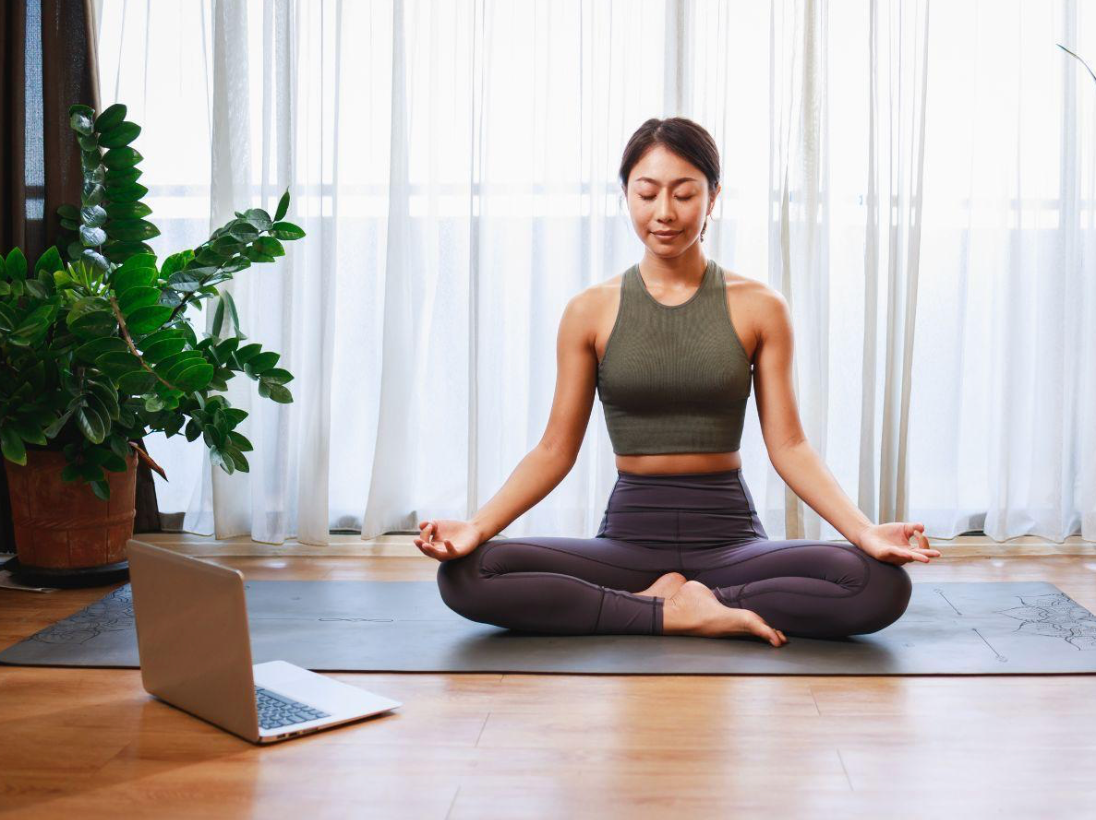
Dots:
(914, 556)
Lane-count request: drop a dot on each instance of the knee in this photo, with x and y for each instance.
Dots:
(459, 584)
(884, 598)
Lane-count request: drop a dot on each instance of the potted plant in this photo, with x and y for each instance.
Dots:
(99, 351)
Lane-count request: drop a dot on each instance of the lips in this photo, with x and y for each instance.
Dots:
(666, 234)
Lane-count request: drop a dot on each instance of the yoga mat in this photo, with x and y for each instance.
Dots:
(952, 628)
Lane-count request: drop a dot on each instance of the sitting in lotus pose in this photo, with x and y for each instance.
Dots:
(672, 346)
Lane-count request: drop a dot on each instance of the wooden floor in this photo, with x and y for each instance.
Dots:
(91, 743)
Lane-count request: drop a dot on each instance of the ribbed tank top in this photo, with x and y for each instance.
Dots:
(674, 378)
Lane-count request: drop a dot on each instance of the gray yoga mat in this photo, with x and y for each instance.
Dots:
(951, 628)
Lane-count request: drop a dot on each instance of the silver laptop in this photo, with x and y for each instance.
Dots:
(195, 652)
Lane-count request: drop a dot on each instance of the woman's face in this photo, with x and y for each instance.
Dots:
(668, 193)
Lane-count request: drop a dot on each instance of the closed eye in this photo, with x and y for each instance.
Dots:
(682, 198)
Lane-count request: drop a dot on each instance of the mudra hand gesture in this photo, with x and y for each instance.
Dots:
(446, 539)
(891, 543)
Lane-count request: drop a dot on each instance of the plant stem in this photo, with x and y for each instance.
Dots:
(132, 346)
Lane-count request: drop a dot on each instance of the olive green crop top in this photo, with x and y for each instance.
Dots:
(674, 378)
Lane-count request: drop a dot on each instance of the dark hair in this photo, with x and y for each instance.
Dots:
(684, 137)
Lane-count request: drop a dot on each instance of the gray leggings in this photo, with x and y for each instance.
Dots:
(703, 525)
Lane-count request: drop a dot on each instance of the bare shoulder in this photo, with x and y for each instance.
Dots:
(758, 310)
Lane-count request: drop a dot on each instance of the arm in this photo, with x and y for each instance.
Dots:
(793, 457)
(549, 462)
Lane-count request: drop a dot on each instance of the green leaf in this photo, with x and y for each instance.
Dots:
(30, 433)
(129, 192)
(116, 365)
(262, 362)
(92, 237)
(128, 210)
(218, 317)
(70, 212)
(255, 255)
(49, 261)
(283, 206)
(195, 377)
(12, 445)
(176, 262)
(235, 265)
(58, 423)
(101, 488)
(89, 161)
(111, 117)
(162, 349)
(82, 119)
(91, 425)
(259, 218)
(153, 338)
(121, 157)
(119, 446)
(136, 383)
(90, 351)
(247, 352)
(119, 251)
(242, 231)
(208, 256)
(92, 194)
(16, 265)
(227, 246)
(287, 230)
(186, 281)
(132, 230)
(122, 134)
(96, 323)
(138, 297)
(154, 404)
(87, 142)
(270, 246)
(280, 394)
(137, 271)
(177, 362)
(107, 396)
(148, 319)
(240, 442)
(95, 259)
(36, 289)
(94, 217)
(122, 176)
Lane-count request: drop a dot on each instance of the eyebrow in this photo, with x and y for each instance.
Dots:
(655, 181)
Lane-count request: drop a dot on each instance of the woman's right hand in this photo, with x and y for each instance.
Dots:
(445, 539)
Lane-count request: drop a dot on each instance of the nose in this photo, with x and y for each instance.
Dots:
(664, 211)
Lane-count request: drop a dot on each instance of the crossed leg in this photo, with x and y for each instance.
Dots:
(564, 586)
(582, 586)
(820, 589)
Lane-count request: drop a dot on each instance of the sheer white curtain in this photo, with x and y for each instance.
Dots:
(919, 183)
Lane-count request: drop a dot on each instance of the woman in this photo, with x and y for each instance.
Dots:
(681, 550)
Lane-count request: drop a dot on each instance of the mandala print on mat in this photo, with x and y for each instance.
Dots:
(1055, 616)
(114, 612)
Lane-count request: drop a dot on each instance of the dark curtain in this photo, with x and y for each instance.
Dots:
(47, 63)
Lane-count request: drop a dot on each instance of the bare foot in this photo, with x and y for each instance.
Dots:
(694, 610)
(664, 587)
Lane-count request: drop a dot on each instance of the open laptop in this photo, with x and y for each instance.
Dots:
(195, 651)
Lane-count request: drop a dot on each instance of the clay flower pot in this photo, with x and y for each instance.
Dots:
(63, 526)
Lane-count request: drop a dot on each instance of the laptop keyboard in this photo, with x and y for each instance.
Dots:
(277, 710)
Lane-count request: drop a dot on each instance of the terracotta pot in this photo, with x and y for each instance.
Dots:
(61, 525)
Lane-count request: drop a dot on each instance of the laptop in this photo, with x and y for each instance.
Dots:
(195, 653)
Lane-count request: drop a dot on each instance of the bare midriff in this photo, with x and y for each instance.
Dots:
(661, 463)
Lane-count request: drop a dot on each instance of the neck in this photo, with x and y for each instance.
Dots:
(686, 268)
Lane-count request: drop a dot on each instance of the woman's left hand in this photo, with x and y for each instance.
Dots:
(891, 543)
